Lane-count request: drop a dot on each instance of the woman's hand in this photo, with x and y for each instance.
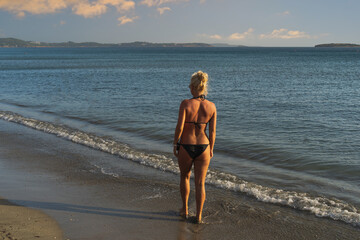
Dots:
(211, 153)
(176, 153)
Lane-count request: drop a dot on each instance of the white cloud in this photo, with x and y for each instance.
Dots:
(232, 37)
(61, 23)
(207, 36)
(19, 7)
(124, 19)
(284, 33)
(85, 8)
(241, 36)
(121, 5)
(151, 3)
(216, 36)
(162, 10)
(89, 10)
(20, 14)
(285, 13)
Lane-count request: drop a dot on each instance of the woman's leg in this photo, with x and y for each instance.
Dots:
(185, 164)
(201, 165)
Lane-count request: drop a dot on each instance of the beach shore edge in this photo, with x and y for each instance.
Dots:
(44, 172)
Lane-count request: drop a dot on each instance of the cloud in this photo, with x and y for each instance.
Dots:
(285, 13)
(232, 37)
(61, 23)
(207, 36)
(281, 33)
(241, 36)
(124, 19)
(121, 5)
(19, 7)
(151, 3)
(20, 14)
(89, 10)
(85, 8)
(284, 33)
(162, 10)
(216, 36)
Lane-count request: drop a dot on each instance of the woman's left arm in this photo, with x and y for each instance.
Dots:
(179, 127)
(212, 132)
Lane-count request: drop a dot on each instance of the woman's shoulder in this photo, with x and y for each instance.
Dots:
(210, 103)
(185, 101)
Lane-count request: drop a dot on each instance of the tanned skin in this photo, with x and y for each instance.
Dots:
(194, 110)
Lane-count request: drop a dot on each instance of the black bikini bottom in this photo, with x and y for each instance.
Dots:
(194, 150)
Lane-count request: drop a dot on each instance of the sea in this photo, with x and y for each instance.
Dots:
(288, 130)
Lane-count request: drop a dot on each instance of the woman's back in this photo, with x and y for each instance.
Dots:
(198, 113)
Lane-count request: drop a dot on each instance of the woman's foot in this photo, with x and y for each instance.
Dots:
(184, 214)
(198, 218)
(195, 220)
(198, 221)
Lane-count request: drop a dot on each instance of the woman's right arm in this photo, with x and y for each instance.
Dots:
(212, 132)
(179, 127)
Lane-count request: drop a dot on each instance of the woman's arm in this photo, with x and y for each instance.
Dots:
(212, 132)
(179, 127)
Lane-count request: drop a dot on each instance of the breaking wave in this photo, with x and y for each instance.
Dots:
(320, 206)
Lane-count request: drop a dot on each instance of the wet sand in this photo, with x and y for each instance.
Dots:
(43, 172)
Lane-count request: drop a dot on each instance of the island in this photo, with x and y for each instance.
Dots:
(226, 45)
(13, 42)
(337, 45)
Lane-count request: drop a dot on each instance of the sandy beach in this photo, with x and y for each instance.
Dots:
(53, 176)
(17, 222)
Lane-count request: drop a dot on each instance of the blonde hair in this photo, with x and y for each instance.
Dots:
(199, 81)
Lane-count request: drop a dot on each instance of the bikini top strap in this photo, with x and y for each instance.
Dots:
(202, 97)
(196, 124)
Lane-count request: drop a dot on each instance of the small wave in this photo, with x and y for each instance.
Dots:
(105, 144)
(320, 206)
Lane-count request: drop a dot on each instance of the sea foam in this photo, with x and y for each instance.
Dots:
(318, 205)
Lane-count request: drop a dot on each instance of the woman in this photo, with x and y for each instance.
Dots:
(195, 146)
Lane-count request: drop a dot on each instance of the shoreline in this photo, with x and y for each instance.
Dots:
(316, 201)
(88, 204)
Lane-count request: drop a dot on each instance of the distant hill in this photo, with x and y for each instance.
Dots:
(225, 45)
(337, 45)
(147, 44)
(13, 42)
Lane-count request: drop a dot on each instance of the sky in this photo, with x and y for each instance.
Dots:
(237, 22)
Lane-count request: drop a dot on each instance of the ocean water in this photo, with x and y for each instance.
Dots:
(288, 118)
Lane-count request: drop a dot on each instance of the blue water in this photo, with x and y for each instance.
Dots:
(288, 118)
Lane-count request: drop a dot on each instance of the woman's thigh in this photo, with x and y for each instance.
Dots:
(184, 161)
(201, 165)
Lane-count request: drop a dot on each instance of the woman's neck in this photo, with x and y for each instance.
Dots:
(201, 97)
(197, 95)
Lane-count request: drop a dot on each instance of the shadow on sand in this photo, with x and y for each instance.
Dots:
(124, 213)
